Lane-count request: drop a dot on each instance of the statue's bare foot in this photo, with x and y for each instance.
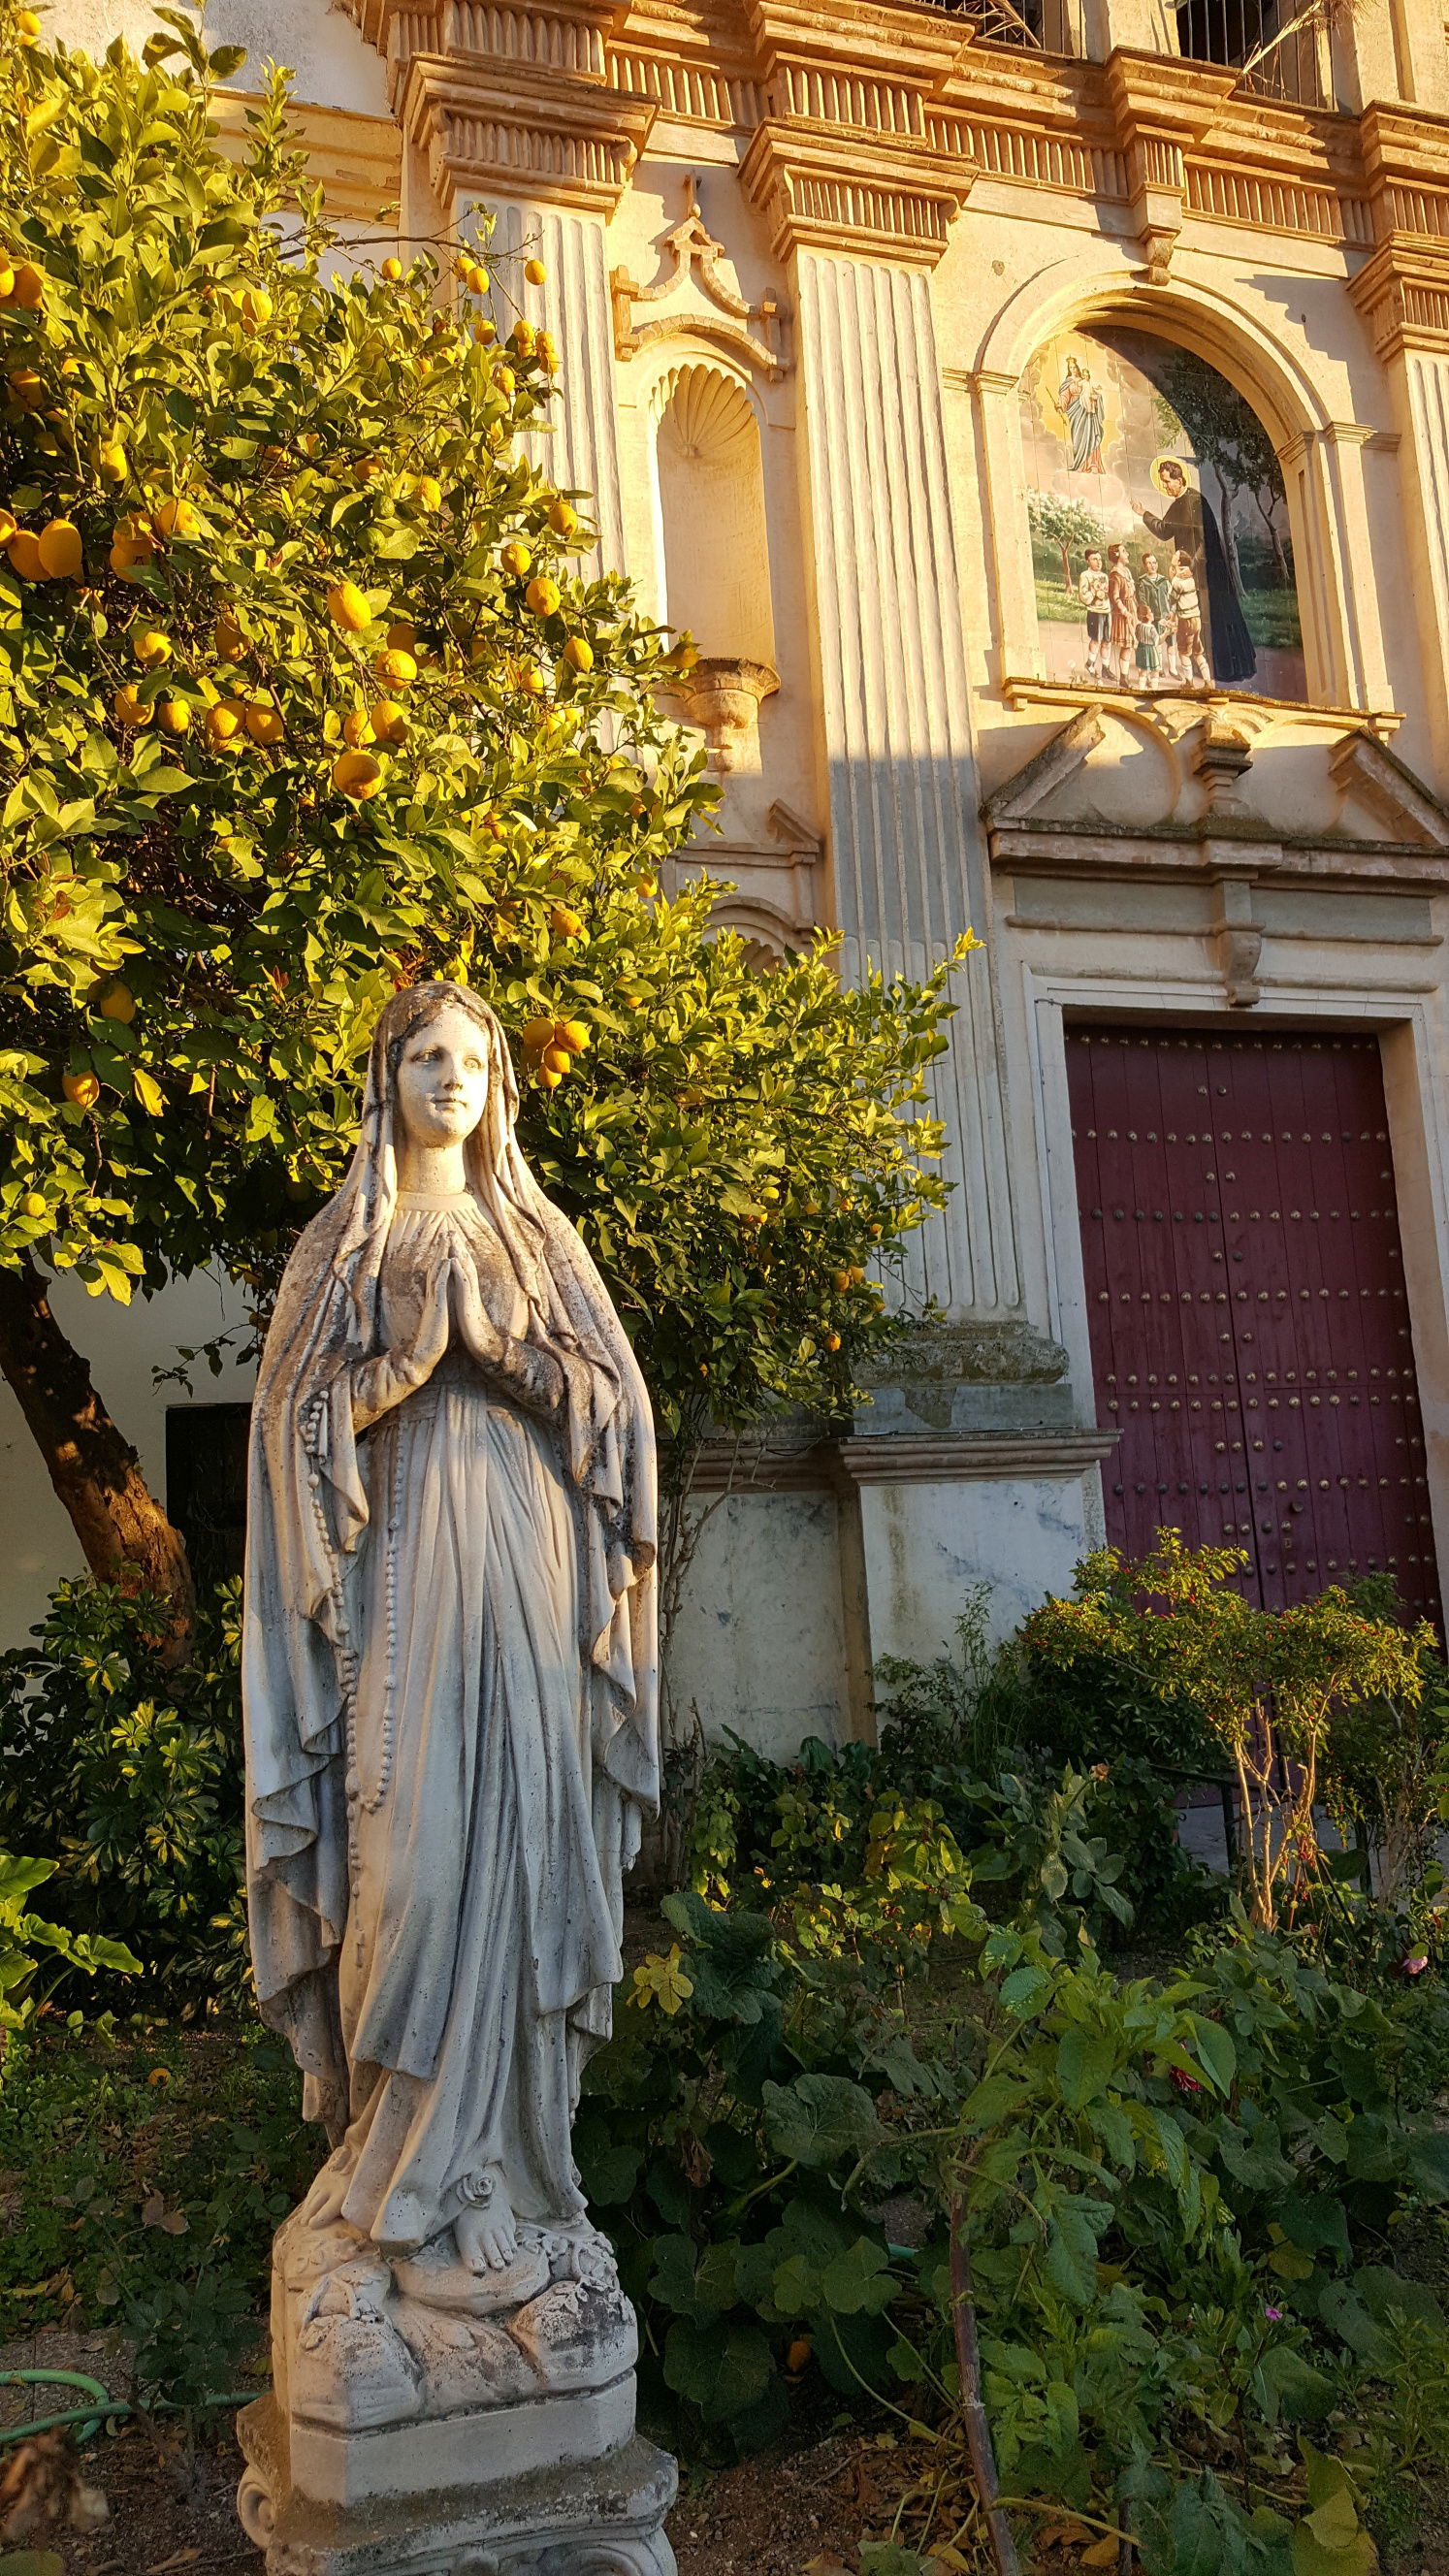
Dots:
(487, 2234)
(323, 2204)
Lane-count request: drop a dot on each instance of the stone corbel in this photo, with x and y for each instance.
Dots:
(1239, 943)
(1224, 753)
(754, 332)
(723, 696)
(1163, 106)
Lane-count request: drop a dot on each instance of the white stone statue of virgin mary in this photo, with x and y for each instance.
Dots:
(449, 1678)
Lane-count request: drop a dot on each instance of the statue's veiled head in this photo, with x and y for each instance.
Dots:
(440, 1071)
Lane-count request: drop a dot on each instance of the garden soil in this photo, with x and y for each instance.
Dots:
(801, 2512)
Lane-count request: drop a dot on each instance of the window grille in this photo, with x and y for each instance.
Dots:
(1282, 45)
(1026, 26)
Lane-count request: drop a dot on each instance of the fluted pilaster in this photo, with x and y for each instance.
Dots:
(581, 451)
(906, 848)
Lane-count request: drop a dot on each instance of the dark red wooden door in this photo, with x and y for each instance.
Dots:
(1250, 1329)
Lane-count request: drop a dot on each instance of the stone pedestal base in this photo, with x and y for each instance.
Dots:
(603, 2518)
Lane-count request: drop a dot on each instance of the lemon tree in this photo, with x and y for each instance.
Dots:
(304, 695)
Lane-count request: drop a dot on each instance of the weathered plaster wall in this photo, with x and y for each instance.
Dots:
(333, 63)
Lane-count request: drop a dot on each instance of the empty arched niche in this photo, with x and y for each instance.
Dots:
(716, 555)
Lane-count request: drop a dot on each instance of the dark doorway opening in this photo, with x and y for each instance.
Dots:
(206, 1484)
(1249, 1321)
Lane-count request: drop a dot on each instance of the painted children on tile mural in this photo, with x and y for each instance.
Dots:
(1189, 525)
(1155, 614)
(1092, 592)
(1182, 590)
(1122, 613)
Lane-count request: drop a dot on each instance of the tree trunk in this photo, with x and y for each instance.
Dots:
(126, 1536)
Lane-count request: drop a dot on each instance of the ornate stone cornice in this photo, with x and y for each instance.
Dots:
(845, 159)
(815, 195)
(537, 133)
(1403, 290)
(1403, 295)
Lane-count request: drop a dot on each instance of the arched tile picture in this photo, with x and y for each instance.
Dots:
(1159, 523)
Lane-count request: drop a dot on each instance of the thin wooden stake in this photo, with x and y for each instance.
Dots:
(973, 2404)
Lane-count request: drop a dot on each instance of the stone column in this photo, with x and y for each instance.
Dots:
(905, 843)
(581, 451)
(1403, 294)
(510, 108)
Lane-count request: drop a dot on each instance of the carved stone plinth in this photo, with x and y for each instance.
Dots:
(428, 2417)
(605, 2518)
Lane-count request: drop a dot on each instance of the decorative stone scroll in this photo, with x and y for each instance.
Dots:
(717, 312)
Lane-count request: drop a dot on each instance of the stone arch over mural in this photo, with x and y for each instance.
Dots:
(714, 551)
(1162, 550)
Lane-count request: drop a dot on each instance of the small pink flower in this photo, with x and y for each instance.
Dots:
(1415, 1964)
(1274, 2316)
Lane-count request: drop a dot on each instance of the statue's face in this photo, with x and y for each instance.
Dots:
(442, 1080)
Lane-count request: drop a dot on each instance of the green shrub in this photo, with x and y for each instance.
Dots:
(148, 2169)
(24, 1937)
(1268, 1685)
(126, 1773)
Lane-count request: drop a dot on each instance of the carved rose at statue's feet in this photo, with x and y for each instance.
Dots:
(487, 2234)
(452, 1486)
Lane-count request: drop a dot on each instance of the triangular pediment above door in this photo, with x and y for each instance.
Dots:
(1136, 783)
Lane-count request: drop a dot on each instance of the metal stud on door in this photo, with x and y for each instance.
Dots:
(1250, 1326)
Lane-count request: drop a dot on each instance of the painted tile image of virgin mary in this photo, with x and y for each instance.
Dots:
(1083, 406)
(1188, 525)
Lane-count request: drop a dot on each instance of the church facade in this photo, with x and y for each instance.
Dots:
(1040, 415)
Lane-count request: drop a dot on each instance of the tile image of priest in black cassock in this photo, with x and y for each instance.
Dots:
(1189, 526)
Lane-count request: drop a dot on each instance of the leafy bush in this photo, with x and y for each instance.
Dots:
(146, 2171)
(24, 1935)
(1385, 1770)
(125, 1772)
(1178, 2193)
(1267, 1684)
